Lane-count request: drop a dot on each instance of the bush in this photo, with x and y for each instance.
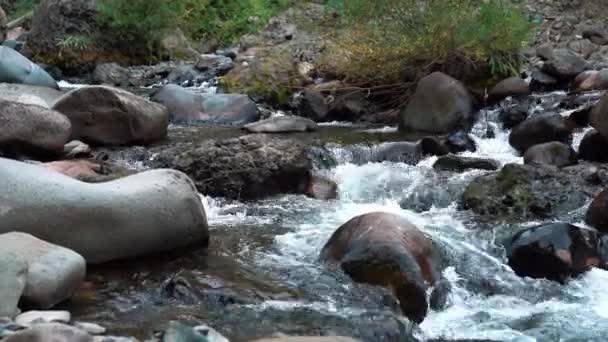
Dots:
(391, 41)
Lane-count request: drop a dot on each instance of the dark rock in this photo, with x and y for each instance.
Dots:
(393, 254)
(433, 191)
(217, 65)
(321, 188)
(594, 147)
(596, 34)
(591, 80)
(433, 146)
(513, 116)
(282, 124)
(312, 105)
(564, 64)
(540, 129)
(111, 116)
(551, 153)
(512, 86)
(249, 167)
(545, 52)
(460, 164)
(349, 107)
(441, 105)
(581, 117)
(397, 152)
(110, 74)
(460, 142)
(599, 116)
(555, 251)
(520, 192)
(597, 215)
(542, 82)
(583, 47)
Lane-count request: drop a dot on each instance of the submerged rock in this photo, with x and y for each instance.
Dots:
(282, 124)
(555, 251)
(540, 129)
(460, 164)
(551, 153)
(15, 68)
(397, 152)
(441, 105)
(160, 210)
(111, 116)
(386, 250)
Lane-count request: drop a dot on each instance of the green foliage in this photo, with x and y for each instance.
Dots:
(20, 8)
(388, 41)
(73, 42)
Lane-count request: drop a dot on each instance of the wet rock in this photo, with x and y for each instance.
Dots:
(596, 34)
(55, 332)
(312, 104)
(386, 250)
(433, 146)
(110, 74)
(349, 107)
(460, 141)
(435, 191)
(3, 23)
(554, 251)
(188, 107)
(597, 214)
(551, 153)
(91, 328)
(159, 209)
(178, 332)
(520, 192)
(512, 86)
(111, 116)
(218, 65)
(460, 164)
(211, 334)
(397, 152)
(440, 105)
(540, 129)
(53, 272)
(308, 339)
(322, 188)
(544, 52)
(594, 147)
(13, 272)
(513, 116)
(36, 317)
(15, 68)
(591, 80)
(564, 64)
(583, 47)
(32, 130)
(76, 149)
(185, 75)
(28, 94)
(599, 116)
(543, 82)
(282, 124)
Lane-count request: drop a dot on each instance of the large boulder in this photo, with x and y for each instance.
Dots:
(540, 129)
(46, 332)
(249, 167)
(564, 64)
(440, 105)
(525, 192)
(386, 250)
(32, 130)
(188, 107)
(13, 271)
(282, 124)
(593, 147)
(111, 116)
(149, 212)
(597, 214)
(599, 116)
(555, 251)
(512, 86)
(53, 272)
(15, 68)
(29, 94)
(551, 153)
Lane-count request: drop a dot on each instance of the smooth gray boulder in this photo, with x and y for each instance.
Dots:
(282, 124)
(111, 116)
(13, 270)
(53, 272)
(15, 68)
(47, 332)
(186, 106)
(29, 94)
(149, 212)
(32, 130)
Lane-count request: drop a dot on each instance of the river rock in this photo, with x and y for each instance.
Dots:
(554, 251)
(217, 65)
(111, 116)
(312, 104)
(440, 105)
(32, 130)
(188, 107)
(551, 153)
(599, 116)
(28, 94)
(433, 146)
(386, 250)
(397, 152)
(250, 167)
(520, 192)
(593, 147)
(178, 332)
(76, 149)
(597, 34)
(542, 82)
(308, 339)
(512, 86)
(540, 129)
(13, 272)
(597, 214)
(159, 209)
(110, 74)
(321, 188)
(591, 80)
(513, 116)
(53, 272)
(211, 334)
(15, 68)
(47, 332)
(29, 318)
(460, 164)
(460, 141)
(282, 124)
(564, 64)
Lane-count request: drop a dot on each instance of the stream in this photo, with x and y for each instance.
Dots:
(261, 274)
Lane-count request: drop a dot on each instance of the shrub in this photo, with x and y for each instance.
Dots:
(391, 41)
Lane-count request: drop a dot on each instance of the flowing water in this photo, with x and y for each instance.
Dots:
(261, 274)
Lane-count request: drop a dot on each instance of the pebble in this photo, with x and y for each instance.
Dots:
(37, 317)
(91, 328)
